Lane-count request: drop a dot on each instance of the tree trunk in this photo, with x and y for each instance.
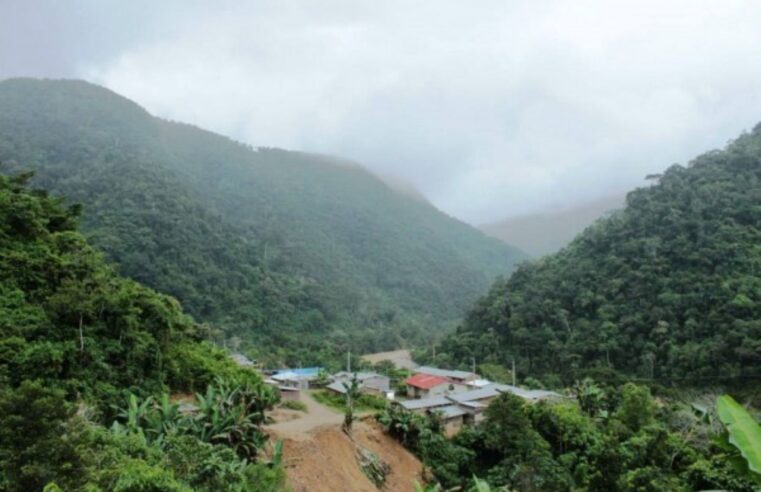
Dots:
(81, 334)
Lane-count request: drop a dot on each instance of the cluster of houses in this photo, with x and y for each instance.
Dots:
(457, 397)
(370, 383)
(291, 381)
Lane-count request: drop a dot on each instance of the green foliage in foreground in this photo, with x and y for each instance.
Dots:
(744, 433)
(668, 289)
(75, 340)
(283, 250)
(628, 442)
(229, 413)
(42, 440)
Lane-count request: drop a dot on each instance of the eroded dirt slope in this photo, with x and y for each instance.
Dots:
(327, 460)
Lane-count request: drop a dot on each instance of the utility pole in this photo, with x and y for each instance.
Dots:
(513, 371)
(434, 352)
(348, 361)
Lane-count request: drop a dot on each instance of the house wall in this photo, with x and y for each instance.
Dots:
(459, 387)
(425, 410)
(440, 390)
(295, 383)
(367, 390)
(286, 395)
(452, 426)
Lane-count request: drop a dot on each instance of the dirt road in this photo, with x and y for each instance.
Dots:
(317, 415)
(319, 456)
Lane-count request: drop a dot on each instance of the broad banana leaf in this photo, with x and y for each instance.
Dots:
(744, 432)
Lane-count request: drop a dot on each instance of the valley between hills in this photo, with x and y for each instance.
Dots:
(180, 311)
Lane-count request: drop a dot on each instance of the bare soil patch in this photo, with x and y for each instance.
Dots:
(327, 462)
(400, 358)
(293, 424)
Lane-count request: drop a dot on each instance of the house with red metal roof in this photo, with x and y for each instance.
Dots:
(427, 385)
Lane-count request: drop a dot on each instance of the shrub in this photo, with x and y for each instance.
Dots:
(294, 405)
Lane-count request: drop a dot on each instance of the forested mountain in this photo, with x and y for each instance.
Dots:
(547, 232)
(76, 340)
(668, 288)
(285, 246)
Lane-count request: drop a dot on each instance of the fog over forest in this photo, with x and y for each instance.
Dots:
(364, 246)
(494, 111)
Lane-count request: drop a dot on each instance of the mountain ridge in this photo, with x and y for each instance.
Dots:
(284, 245)
(665, 289)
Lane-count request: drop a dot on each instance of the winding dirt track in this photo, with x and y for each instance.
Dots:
(317, 416)
(319, 457)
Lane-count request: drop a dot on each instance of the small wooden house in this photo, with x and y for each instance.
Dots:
(427, 386)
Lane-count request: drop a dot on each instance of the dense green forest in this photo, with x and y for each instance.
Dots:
(282, 250)
(667, 289)
(88, 360)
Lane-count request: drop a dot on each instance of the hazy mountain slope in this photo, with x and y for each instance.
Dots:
(284, 245)
(668, 288)
(543, 233)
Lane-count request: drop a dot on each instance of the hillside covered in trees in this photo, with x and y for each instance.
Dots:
(668, 288)
(284, 247)
(87, 362)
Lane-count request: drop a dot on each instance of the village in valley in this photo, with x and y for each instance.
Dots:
(456, 397)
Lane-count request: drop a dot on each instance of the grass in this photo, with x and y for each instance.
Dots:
(338, 402)
(329, 399)
(294, 405)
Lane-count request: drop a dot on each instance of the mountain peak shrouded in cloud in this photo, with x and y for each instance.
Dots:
(494, 110)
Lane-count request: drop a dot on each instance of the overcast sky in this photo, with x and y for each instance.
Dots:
(490, 108)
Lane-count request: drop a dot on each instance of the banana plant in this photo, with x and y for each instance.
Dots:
(231, 417)
(427, 488)
(480, 485)
(277, 454)
(133, 417)
(226, 415)
(743, 431)
(165, 418)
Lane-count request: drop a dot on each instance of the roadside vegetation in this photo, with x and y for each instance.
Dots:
(294, 405)
(363, 403)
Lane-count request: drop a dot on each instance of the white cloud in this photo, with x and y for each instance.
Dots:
(489, 108)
